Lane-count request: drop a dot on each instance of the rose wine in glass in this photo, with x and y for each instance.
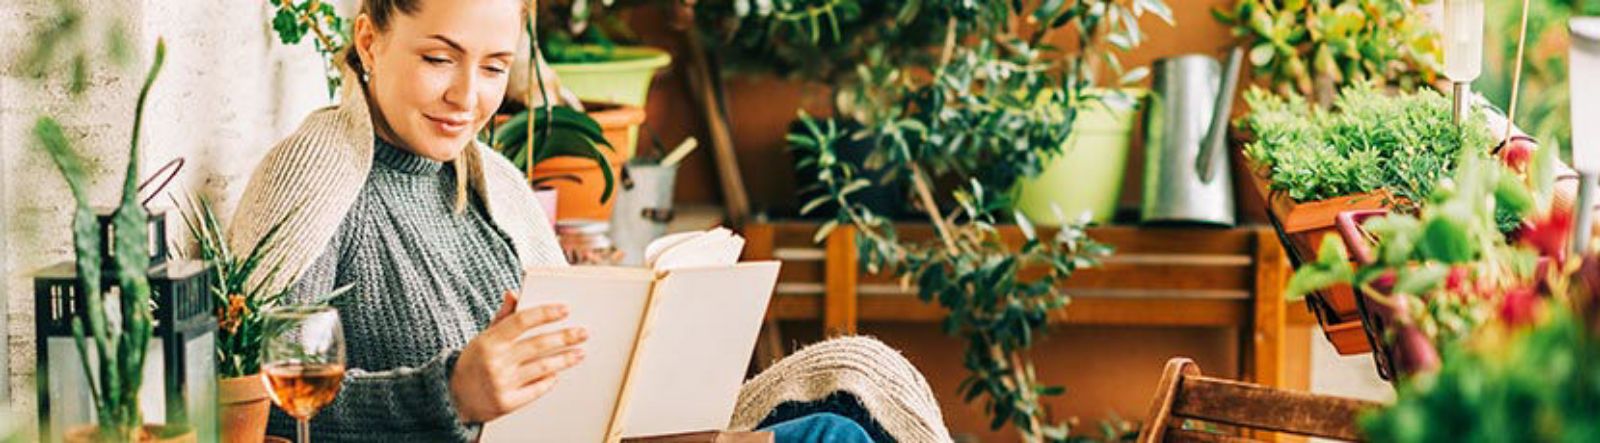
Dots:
(302, 360)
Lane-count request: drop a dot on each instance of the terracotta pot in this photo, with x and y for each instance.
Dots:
(244, 409)
(1304, 225)
(580, 181)
(619, 124)
(153, 433)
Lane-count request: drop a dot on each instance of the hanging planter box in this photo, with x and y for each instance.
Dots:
(1374, 321)
(1303, 225)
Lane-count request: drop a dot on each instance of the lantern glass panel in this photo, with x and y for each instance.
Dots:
(180, 364)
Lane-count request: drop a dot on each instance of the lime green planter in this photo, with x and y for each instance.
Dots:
(624, 79)
(1088, 176)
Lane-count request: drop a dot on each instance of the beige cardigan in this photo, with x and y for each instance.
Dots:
(316, 173)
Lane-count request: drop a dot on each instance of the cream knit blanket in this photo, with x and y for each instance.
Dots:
(890, 388)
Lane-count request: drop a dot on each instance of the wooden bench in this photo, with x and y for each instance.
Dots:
(1242, 409)
(1191, 277)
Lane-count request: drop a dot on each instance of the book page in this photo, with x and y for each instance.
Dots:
(701, 336)
(717, 247)
(610, 302)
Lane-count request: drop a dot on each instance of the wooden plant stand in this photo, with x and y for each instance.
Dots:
(1189, 277)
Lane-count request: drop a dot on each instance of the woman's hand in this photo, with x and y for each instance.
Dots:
(500, 371)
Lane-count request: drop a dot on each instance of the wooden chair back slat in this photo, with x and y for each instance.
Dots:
(1184, 394)
(1180, 435)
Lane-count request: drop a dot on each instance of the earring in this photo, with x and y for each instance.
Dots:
(366, 76)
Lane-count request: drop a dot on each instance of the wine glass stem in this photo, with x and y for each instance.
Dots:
(305, 430)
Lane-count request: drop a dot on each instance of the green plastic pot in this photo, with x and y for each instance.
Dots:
(624, 79)
(1088, 175)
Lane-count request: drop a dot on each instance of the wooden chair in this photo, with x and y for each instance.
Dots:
(1185, 395)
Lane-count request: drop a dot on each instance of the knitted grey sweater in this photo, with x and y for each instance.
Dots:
(424, 280)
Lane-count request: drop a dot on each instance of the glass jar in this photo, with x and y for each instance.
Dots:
(587, 242)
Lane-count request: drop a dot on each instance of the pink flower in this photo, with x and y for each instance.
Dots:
(1518, 306)
(1414, 352)
(1549, 235)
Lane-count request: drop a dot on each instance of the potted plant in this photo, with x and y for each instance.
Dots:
(1529, 371)
(116, 327)
(1531, 378)
(1087, 176)
(568, 151)
(1316, 48)
(1429, 279)
(856, 50)
(1372, 150)
(578, 43)
(243, 398)
(585, 43)
(985, 111)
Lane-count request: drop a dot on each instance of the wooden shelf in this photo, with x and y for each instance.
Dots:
(1158, 277)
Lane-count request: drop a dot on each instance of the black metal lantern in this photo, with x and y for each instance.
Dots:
(179, 388)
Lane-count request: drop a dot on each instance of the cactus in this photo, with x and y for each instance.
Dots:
(115, 381)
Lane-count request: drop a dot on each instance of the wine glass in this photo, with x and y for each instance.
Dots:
(302, 360)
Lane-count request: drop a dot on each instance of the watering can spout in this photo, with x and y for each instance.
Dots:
(1217, 136)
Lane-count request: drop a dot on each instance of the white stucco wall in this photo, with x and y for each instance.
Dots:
(228, 91)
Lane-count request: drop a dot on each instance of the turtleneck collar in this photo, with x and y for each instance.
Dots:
(392, 157)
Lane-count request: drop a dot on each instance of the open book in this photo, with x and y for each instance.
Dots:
(668, 343)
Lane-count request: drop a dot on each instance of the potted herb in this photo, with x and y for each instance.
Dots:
(985, 111)
(1372, 150)
(1427, 280)
(116, 327)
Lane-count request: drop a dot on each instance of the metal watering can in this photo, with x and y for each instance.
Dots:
(1186, 174)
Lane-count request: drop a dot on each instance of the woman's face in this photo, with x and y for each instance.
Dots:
(439, 74)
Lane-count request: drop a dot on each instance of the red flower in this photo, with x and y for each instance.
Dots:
(1549, 235)
(1518, 306)
(1456, 280)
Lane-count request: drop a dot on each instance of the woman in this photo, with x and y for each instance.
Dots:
(388, 194)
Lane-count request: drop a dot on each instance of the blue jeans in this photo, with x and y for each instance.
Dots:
(822, 427)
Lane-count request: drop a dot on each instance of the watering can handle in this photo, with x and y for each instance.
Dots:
(1217, 135)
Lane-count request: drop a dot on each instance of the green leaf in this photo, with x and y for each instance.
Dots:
(1446, 239)
(823, 231)
(1262, 54)
(1332, 267)
(1420, 280)
(1510, 194)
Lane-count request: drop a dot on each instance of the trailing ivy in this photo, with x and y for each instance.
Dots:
(1405, 143)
